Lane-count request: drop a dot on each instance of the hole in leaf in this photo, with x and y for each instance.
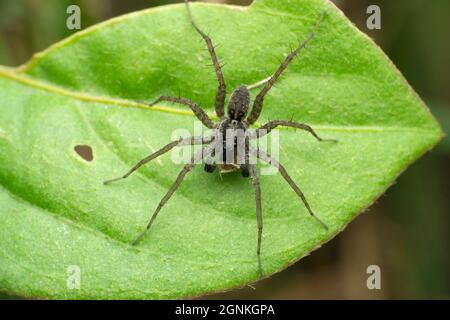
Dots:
(84, 152)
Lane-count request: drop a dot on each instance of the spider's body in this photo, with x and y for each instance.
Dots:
(229, 129)
(228, 148)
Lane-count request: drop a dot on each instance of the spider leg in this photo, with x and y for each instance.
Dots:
(221, 90)
(259, 100)
(187, 168)
(259, 218)
(267, 158)
(180, 142)
(265, 129)
(198, 111)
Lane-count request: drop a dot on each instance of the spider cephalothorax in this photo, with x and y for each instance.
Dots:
(229, 131)
(239, 102)
(229, 146)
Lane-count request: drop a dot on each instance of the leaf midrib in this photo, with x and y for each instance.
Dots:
(12, 75)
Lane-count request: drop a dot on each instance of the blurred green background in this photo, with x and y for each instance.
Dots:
(406, 232)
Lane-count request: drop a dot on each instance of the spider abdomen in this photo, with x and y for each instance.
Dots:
(232, 154)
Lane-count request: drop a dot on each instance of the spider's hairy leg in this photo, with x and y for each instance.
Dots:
(197, 140)
(259, 217)
(268, 159)
(198, 111)
(269, 126)
(259, 100)
(221, 89)
(187, 168)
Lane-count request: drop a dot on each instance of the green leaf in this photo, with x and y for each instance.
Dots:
(55, 211)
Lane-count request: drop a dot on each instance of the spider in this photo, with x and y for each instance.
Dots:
(218, 144)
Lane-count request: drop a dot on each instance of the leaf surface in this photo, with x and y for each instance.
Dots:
(56, 213)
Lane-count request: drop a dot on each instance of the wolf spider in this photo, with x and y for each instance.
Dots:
(236, 119)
